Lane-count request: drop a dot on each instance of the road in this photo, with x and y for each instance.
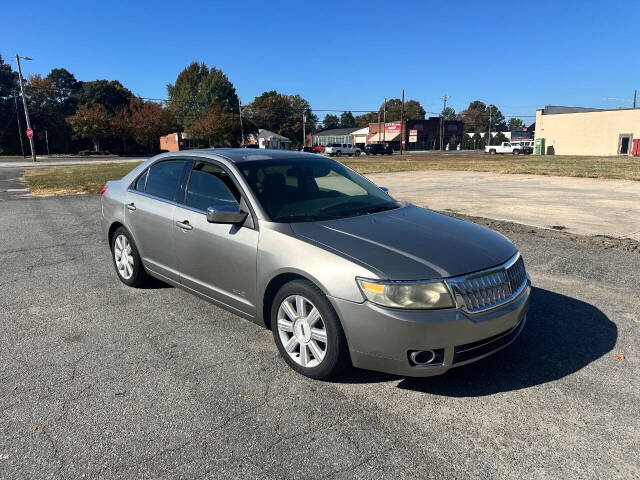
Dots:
(586, 206)
(105, 381)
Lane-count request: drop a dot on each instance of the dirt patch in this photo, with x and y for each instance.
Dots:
(506, 228)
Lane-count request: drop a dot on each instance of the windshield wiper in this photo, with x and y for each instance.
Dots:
(376, 209)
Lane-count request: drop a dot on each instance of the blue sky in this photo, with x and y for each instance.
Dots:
(348, 55)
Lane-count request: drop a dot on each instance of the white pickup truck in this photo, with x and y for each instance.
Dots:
(339, 149)
(514, 148)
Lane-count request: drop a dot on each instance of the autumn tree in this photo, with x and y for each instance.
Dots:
(366, 118)
(149, 121)
(90, 122)
(121, 126)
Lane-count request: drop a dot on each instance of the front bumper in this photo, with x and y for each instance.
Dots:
(381, 338)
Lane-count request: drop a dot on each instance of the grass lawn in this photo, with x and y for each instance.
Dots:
(627, 168)
(91, 178)
(71, 180)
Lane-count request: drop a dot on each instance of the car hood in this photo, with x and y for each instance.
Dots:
(411, 243)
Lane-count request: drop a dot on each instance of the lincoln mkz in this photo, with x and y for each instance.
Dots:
(340, 272)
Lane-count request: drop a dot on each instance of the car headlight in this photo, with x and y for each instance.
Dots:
(407, 294)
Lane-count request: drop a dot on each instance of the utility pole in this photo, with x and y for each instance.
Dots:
(444, 106)
(24, 102)
(489, 139)
(46, 136)
(384, 120)
(402, 124)
(304, 133)
(15, 101)
(241, 127)
(635, 94)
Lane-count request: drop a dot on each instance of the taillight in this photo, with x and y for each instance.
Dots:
(104, 189)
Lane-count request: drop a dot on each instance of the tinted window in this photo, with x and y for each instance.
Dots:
(210, 185)
(142, 180)
(164, 178)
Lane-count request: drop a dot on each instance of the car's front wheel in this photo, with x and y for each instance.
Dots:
(338, 153)
(126, 259)
(307, 331)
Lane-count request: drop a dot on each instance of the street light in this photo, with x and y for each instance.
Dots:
(24, 102)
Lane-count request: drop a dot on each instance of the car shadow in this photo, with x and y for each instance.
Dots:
(562, 336)
(154, 284)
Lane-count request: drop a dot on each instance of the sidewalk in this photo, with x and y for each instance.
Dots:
(585, 206)
(64, 161)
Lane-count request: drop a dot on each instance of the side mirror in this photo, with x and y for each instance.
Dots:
(229, 213)
(384, 189)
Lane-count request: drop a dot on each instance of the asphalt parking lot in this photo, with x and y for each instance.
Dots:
(102, 381)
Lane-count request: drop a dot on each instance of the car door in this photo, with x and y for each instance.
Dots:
(216, 260)
(150, 205)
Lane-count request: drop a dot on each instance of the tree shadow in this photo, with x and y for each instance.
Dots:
(562, 336)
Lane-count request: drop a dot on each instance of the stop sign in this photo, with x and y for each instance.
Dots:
(29, 133)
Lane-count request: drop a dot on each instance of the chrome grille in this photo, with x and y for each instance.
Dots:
(487, 289)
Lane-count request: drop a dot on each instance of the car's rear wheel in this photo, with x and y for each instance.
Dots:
(307, 331)
(338, 153)
(492, 152)
(357, 153)
(126, 259)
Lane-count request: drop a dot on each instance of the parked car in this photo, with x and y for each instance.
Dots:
(507, 147)
(308, 149)
(319, 148)
(339, 149)
(250, 145)
(378, 149)
(335, 267)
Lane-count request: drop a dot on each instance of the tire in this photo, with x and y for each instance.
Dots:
(492, 152)
(299, 335)
(338, 153)
(516, 152)
(357, 153)
(134, 275)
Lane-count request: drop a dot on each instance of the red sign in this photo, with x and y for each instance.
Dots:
(393, 127)
(413, 132)
(29, 133)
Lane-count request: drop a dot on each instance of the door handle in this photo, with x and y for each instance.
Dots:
(131, 206)
(184, 225)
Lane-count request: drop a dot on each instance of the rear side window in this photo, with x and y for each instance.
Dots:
(141, 182)
(210, 185)
(163, 179)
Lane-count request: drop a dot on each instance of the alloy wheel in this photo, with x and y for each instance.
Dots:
(123, 256)
(302, 331)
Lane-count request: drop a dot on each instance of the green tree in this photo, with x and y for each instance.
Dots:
(110, 94)
(347, 120)
(498, 122)
(8, 87)
(282, 114)
(515, 124)
(498, 139)
(198, 88)
(448, 113)
(478, 141)
(64, 84)
(121, 126)
(366, 118)
(331, 121)
(412, 110)
(90, 122)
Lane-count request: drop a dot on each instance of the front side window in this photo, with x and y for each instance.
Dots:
(312, 190)
(210, 185)
(163, 179)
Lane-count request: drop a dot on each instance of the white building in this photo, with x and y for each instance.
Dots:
(272, 141)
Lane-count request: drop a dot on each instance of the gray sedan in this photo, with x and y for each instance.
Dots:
(339, 271)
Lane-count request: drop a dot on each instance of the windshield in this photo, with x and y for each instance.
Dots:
(306, 190)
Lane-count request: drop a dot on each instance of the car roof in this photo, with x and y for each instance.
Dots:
(241, 155)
